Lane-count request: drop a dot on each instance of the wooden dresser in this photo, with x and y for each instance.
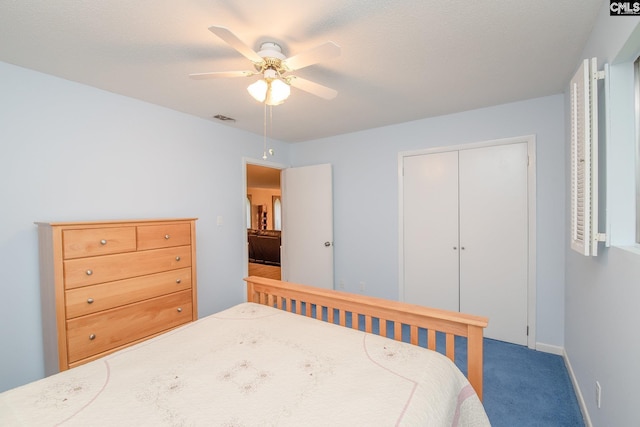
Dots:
(110, 284)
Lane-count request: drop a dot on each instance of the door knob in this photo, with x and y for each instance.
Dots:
(327, 244)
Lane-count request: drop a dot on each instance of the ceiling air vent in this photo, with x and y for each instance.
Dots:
(224, 118)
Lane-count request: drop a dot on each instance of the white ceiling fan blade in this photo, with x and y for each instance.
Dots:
(311, 87)
(221, 74)
(320, 53)
(233, 41)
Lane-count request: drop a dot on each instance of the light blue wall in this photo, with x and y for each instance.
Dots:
(365, 173)
(71, 152)
(603, 293)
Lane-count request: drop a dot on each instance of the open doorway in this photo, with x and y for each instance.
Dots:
(264, 221)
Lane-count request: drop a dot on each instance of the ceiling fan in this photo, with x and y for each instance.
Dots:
(274, 86)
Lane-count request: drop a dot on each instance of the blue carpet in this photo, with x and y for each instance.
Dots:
(522, 387)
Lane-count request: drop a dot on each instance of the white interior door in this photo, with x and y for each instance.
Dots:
(494, 238)
(307, 225)
(430, 241)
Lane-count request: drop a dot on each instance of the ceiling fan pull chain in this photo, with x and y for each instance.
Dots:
(264, 152)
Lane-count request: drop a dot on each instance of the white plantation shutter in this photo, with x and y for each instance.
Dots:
(580, 160)
(584, 159)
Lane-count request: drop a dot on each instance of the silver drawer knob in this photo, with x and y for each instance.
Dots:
(166, 237)
(179, 309)
(92, 337)
(178, 281)
(89, 300)
(177, 258)
(103, 242)
(89, 272)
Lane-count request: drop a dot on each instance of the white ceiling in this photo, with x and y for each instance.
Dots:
(401, 60)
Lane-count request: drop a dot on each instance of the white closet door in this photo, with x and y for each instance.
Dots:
(430, 236)
(494, 238)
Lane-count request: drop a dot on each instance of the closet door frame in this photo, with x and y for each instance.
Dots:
(530, 140)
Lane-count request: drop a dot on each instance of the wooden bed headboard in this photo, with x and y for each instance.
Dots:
(334, 307)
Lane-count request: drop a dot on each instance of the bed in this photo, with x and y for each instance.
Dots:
(291, 355)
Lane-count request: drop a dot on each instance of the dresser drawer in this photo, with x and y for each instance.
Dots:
(94, 298)
(163, 236)
(108, 268)
(98, 241)
(100, 332)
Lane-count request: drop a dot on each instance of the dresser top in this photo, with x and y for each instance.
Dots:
(118, 221)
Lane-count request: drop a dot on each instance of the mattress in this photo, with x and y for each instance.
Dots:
(254, 365)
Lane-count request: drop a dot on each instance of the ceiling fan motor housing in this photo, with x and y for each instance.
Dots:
(272, 56)
(271, 50)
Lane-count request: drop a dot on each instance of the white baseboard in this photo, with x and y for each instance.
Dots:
(576, 387)
(548, 348)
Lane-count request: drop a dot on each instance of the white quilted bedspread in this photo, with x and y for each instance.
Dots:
(253, 365)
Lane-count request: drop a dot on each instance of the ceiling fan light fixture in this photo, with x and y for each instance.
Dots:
(271, 91)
